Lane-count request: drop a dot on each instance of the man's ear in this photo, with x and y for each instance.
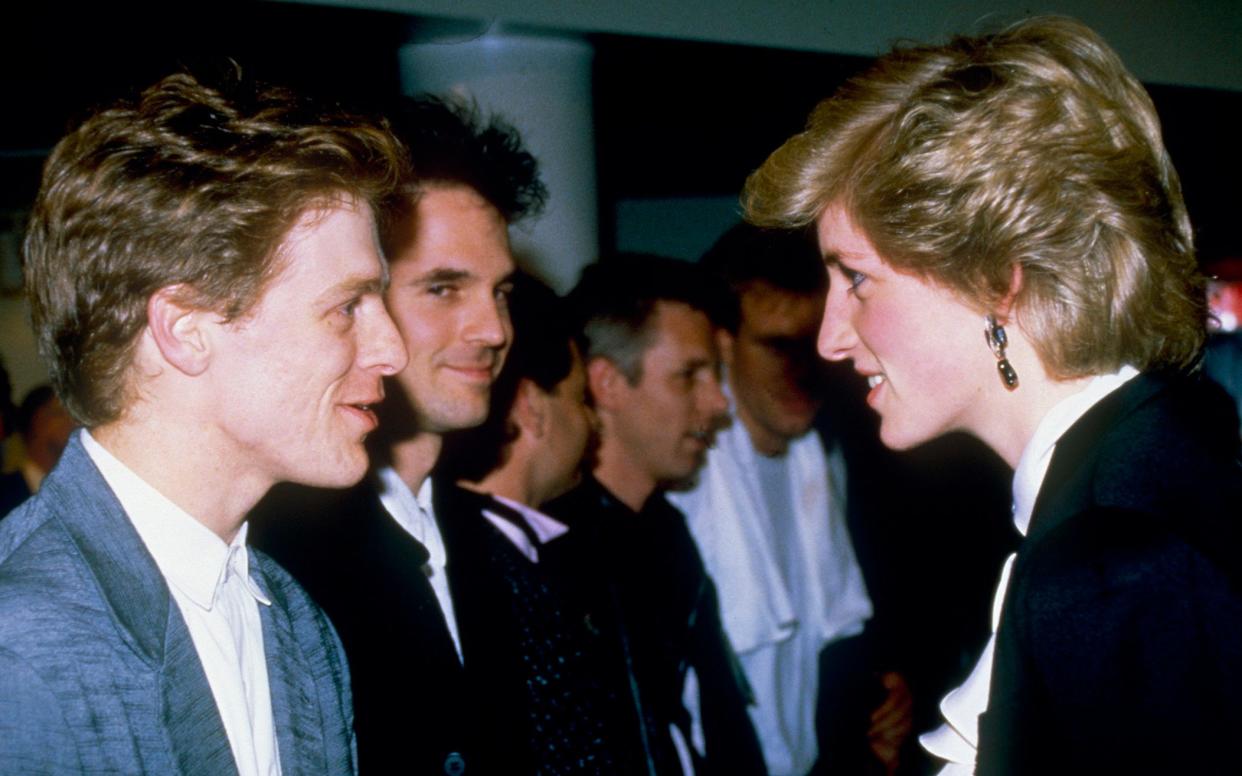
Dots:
(603, 380)
(530, 409)
(178, 330)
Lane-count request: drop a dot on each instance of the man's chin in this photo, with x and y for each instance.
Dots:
(796, 421)
(456, 421)
(347, 473)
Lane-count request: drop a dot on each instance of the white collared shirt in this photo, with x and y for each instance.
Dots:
(773, 536)
(210, 583)
(544, 527)
(416, 516)
(957, 740)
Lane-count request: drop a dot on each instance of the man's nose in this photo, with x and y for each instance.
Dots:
(381, 346)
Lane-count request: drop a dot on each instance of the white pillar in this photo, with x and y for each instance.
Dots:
(542, 86)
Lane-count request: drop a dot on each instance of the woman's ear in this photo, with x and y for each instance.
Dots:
(178, 330)
(1004, 309)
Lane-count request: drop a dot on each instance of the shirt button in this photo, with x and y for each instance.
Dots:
(454, 764)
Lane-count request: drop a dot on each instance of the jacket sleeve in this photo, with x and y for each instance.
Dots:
(1120, 650)
(724, 693)
(34, 737)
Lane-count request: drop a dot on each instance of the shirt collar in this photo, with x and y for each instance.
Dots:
(414, 512)
(1028, 476)
(189, 556)
(546, 528)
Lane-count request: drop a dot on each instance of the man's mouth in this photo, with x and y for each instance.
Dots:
(705, 437)
(476, 372)
(366, 408)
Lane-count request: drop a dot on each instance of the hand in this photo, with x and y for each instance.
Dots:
(892, 721)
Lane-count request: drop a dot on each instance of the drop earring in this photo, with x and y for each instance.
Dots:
(997, 341)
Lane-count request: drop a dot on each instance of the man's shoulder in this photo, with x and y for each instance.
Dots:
(450, 502)
(53, 614)
(296, 523)
(22, 523)
(585, 502)
(39, 558)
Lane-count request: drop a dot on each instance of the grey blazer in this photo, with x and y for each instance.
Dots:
(98, 673)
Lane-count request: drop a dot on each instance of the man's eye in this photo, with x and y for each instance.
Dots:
(504, 292)
(440, 289)
(351, 307)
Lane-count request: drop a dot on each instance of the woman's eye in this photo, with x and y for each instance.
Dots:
(854, 278)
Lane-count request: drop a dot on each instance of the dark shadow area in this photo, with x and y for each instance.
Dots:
(673, 118)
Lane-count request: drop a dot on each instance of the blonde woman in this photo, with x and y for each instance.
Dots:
(1009, 255)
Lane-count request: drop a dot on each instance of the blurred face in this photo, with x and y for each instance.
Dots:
(666, 423)
(919, 345)
(49, 433)
(775, 376)
(570, 430)
(451, 276)
(296, 378)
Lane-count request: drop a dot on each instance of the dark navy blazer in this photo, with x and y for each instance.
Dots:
(1120, 644)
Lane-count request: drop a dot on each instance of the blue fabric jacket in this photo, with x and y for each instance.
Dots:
(98, 673)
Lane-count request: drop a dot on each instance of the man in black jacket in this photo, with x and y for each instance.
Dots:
(654, 375)
(378, 558)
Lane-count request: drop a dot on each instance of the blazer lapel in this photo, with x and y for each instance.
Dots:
(145, 615)
(200, 745)
(295, 705)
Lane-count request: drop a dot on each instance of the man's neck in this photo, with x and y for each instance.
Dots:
(217, 493)
(415, 457)
(509, 482)
(623, 478)
(765, 442)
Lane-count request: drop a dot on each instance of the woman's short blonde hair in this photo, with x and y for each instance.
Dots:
(1032, 148)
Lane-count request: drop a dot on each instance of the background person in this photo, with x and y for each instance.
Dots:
(44, 428)
(1015, 186)
(380, 557)
(768, 514)
(528, 451)
(653, 373)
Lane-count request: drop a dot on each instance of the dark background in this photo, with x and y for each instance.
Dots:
(673, 118)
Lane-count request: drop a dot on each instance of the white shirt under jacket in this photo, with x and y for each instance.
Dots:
(210, 583)
(787, 576)
(957, 740)
(416, 516)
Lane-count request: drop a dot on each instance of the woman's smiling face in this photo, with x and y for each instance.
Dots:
(920, 345)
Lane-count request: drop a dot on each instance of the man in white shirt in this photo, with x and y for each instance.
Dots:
(768, 515)
(378, 557)
(206, 285)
